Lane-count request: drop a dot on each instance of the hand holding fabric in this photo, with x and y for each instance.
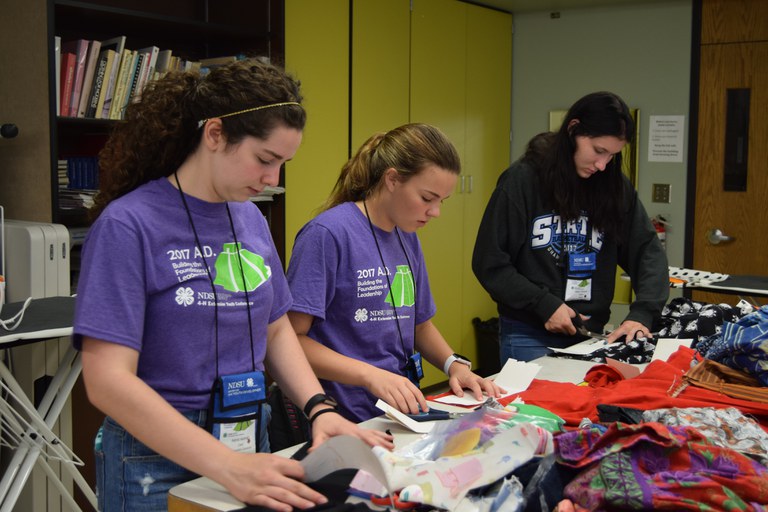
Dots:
(631, 330)
(333, 424)
(268, 480)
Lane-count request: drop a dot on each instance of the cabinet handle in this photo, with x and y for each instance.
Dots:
(471, 181)
(461, 187)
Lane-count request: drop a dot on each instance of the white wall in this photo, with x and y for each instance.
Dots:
(640, 52)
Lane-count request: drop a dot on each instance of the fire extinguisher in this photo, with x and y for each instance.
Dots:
(660, 224)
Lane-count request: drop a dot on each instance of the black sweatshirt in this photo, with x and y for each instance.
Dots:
(521, 255)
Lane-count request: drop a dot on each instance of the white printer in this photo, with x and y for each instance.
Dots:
(36, 260)
(37, 265)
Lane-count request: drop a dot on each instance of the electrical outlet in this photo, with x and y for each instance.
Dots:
(661, 192)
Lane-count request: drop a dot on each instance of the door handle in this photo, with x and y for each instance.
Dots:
(716, 236)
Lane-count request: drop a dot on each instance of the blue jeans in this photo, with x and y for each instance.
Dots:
(131, 476)
(525, 342)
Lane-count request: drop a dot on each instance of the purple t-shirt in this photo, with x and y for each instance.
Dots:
(143, 284)
(337, 275)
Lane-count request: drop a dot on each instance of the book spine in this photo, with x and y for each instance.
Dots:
(94, 49)
(105, 84)
(57, 56)
(110, 90)
(98, 82)
(67, 79)
(144, 77)
(81, 55)
(126, 99)
(136, 76)
(116, 107)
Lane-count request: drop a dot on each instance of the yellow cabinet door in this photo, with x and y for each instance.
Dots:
(438, 92)
(380, 67)
(317, 54)
(488, 104)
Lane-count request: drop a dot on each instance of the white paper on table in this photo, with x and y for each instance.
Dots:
(665, 347)
(513, 378)
(582, 348)
(342, 452)
(420, 427)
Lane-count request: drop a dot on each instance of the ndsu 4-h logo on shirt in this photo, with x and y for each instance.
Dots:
(228, 274)
(402, 293)
(255, 272)
(403, 290)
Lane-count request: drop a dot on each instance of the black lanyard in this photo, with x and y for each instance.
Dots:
(389, 283)
(210, 278)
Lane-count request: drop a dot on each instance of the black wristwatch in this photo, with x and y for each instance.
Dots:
(319, 398)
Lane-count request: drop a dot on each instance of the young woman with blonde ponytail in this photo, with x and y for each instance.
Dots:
(362, 303)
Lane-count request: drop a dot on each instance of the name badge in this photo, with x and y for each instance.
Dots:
(582, 263)
(241, 390)
(413, 369)
(235, 412)
(578, 289)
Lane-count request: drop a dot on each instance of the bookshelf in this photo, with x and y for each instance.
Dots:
(191, 29)
(29, 163)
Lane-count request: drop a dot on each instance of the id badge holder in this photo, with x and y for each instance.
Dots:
(235, 412)
(579, 283)
(413, 368)
(578, 289)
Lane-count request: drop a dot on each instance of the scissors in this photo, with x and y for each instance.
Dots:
(581, 329)
(394, 501)
(434, 415)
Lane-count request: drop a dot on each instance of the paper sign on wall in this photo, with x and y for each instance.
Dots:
(665, 138)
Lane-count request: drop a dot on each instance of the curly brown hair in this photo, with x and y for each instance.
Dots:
(161, 130)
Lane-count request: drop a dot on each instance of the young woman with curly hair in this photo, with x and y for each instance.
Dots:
(182, 300)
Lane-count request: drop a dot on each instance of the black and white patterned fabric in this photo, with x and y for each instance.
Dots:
(688, 319)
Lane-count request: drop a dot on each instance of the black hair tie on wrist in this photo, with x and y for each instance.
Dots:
(321, 411)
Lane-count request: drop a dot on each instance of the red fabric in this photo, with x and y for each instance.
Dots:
(649, 390)
(602, 375)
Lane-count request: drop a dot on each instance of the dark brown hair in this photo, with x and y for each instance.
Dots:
(601, 196)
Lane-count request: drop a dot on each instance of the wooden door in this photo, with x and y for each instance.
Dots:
(738, 214)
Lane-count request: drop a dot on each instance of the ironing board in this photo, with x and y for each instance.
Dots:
(26, 428)
(687, 278)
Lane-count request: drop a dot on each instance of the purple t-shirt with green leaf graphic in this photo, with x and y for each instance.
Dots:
(143, 284)
(337, 275)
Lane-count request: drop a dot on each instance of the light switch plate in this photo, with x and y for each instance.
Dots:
(661, 192)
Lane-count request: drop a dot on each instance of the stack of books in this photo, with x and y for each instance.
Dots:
(98, 79)
(78, 182)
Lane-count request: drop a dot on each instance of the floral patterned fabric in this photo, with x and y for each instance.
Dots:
(654, 467)
(727, 427)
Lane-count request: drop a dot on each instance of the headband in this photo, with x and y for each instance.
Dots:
(254, 109)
